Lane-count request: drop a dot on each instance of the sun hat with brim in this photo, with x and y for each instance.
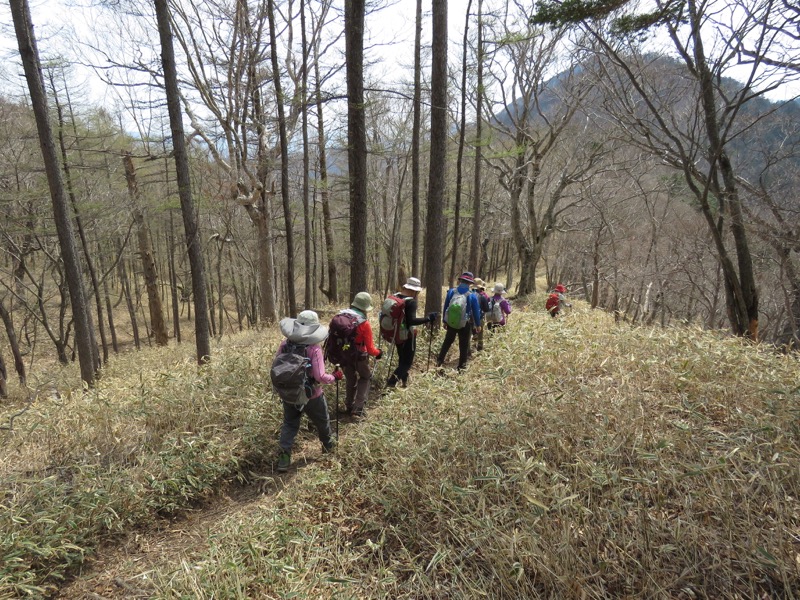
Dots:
(305, 329)
(560, 288)
(499, 288)
(362, 301)
(413, 284)
(480, 283)
(467, 276)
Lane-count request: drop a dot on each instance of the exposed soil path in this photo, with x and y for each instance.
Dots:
(121, 569)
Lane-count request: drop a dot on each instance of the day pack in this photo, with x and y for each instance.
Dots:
(340, 347)
(290, 375)
(495, 313)
(457, 313)
(552, 303)
(393, 320)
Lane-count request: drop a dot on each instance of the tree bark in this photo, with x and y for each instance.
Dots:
(474, 249)
(284, 146)
(435, 226)
(157, 323)
(416, 262)
(84, 334)
(357, 143)
(202, 338)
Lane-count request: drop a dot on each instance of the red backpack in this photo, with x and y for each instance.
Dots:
(393, 320)
(552, 303)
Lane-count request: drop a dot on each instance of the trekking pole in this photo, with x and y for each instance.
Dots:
(337, 405)
(430, 345)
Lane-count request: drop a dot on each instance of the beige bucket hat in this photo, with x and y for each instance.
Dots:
(305, 329)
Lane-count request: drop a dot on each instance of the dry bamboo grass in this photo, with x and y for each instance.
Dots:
(574, 459)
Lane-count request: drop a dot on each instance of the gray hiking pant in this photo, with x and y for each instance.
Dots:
(358, 377)
(317, 411)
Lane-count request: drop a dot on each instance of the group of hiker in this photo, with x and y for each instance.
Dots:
(298, 371)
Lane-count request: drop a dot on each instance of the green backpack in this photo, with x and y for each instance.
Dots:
(457, 311)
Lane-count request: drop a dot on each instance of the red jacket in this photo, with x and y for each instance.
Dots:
(364, 340)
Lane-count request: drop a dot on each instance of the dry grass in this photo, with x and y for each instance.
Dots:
(574, 459)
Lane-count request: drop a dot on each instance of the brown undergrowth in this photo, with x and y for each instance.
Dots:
(575, 458)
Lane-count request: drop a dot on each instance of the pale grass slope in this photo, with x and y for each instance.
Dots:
(575, 458)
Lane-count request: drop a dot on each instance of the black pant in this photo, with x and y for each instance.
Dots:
(405, 358)
(464, 334)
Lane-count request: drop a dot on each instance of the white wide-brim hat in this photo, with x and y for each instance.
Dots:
(413, 284)
(499, 288)
(305, 329)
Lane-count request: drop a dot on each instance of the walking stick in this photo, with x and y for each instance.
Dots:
(430, 346)
(337, 406)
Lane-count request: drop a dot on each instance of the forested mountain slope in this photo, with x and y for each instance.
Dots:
(574, 458)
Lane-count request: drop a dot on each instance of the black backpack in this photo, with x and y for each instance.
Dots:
(290, 375)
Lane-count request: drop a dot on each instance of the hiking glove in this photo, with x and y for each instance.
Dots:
(379, 354)
(338, 375)
(432, 317)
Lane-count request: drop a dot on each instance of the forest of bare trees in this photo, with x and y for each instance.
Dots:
(251, 159)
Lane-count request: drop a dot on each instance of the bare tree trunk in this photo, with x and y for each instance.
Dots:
(476, 191)
(416, 262)
(284, 145)
(333, 284)
(357, 143)
(78, 222)
(309, 287)
(107, 296)
(173, 281)
(462, 133)
(13, 343)
(157, 323)
(435, 230)
(202, 339)
(84, 331)
(126, 291)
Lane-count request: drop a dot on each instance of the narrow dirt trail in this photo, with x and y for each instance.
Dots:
(121, 569)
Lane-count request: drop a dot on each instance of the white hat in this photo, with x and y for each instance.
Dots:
(499, 288)
(413, 284)
(305, 329)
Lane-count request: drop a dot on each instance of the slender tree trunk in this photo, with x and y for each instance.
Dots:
(333, 284)
(435, 226)
(416, 222)
(107, 297)
(284, 146)
(357, 142)
(157, 323)
(476, 191)
(202, 338)
(462, 133)
(79, 223)
(126, 291)
(84, 331)
(309, 287)
(13, 343)
(173, 281)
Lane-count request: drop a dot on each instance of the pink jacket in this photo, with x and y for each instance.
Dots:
(314, 352)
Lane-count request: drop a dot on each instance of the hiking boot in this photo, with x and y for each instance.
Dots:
(358, 413)
(329, 448)
(284, 460)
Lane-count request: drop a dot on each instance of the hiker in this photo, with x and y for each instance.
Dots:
(499, 307)
(303, 336)
(557, 300)
(350, 345)
(397, 327)
(461, 316)
(483, 300)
